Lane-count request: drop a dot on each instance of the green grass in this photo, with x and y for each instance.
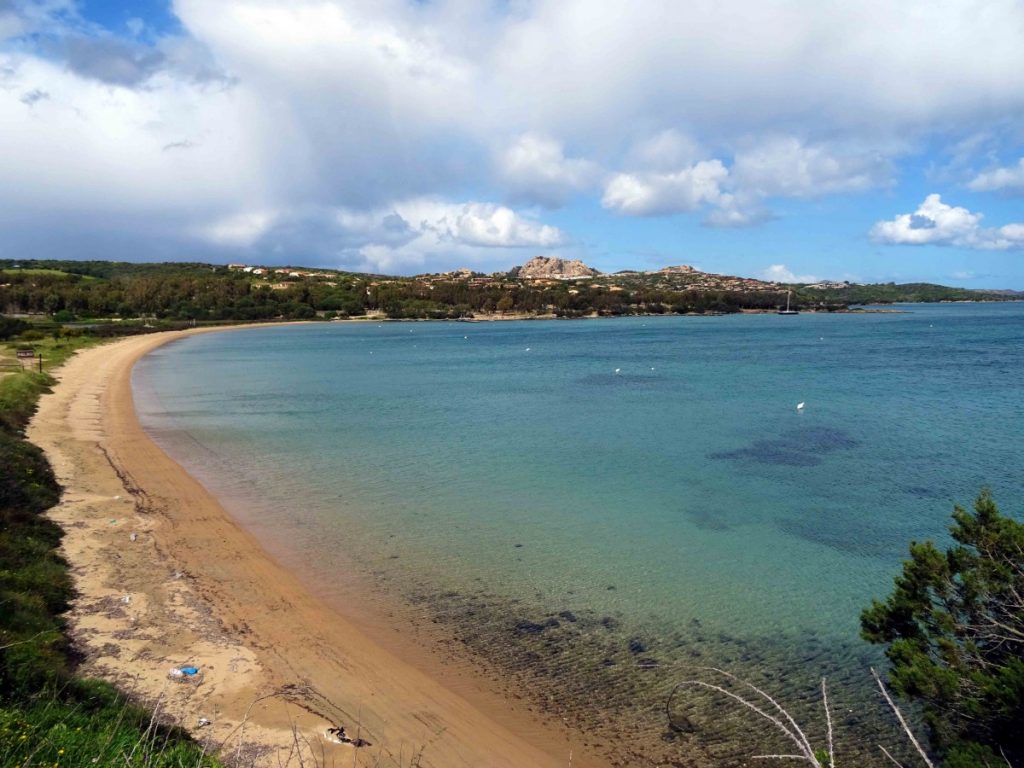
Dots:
(106, 730)
(56, 352)
(42, 271)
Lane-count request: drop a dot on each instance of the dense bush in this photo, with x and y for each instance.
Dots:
(11, 327)
(954, 631)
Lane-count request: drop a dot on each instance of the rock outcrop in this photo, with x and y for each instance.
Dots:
(550, 268)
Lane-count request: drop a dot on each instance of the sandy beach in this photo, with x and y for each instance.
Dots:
(166, 577)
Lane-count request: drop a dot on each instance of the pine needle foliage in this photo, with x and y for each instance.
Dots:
(954, 631)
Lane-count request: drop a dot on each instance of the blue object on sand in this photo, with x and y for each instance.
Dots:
(189, 671)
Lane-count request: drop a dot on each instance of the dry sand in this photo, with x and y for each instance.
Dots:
(165, 576)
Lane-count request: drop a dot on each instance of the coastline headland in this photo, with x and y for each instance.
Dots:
(166, 578)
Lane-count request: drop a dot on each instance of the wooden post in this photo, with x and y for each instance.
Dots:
(40, 362)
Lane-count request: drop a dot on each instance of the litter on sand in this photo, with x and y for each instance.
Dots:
(183, 673)
(336, 735)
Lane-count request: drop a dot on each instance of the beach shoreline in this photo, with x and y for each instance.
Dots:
(165, 577)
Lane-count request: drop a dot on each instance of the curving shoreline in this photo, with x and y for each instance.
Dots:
(166, 577)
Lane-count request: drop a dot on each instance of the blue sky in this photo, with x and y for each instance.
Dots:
(806, 140)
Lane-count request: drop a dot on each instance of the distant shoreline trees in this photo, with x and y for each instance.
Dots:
(83, 290)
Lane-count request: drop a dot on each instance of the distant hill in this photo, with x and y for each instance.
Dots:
(70, 291)
(899, 293)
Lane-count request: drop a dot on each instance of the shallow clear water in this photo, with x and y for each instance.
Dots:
(653, 470)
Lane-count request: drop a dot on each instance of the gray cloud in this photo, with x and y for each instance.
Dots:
(107, 59)
(184, 144)
(34, 96)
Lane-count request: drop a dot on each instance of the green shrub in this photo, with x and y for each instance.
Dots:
(954, 631)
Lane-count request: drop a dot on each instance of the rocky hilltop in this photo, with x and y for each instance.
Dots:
(682, 269)
(551, 268)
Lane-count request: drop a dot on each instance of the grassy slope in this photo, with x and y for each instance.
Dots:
(42, 271)
(48, 715)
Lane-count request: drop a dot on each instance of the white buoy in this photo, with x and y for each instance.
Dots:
(799, 406)
(527, 349)
(617, 370)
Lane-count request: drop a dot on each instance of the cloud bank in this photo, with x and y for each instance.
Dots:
(294, 130)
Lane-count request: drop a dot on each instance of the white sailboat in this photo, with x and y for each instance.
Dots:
(787, 310)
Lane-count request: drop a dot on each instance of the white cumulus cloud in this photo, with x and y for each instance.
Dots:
(480, 234)
(480, 224)
(406, 235)
(654, 193)
(936, 223)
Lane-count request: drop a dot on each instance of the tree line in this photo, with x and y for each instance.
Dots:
(86, 290)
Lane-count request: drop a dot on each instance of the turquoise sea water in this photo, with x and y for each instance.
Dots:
(650, 479)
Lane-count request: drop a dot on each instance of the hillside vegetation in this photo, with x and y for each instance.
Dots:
(88, 290)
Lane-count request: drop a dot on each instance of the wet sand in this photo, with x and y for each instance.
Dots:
(166, 577)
